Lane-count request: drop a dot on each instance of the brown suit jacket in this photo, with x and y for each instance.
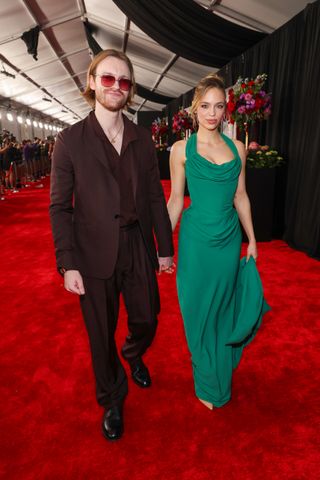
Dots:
(85, 199)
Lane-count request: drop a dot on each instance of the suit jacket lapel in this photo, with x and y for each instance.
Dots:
(95, 145)
(132, 160)
(129, 143)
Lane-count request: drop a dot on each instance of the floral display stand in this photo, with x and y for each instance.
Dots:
(263, 164)
(260, 184)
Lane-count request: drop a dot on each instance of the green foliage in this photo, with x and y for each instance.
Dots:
(264, 157)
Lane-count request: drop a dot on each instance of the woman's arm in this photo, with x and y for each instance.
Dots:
(242, 204)
(177, 175)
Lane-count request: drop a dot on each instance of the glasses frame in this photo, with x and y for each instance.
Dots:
(119, 80)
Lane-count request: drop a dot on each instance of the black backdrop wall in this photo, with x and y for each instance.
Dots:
(290, 57)
(190, 31)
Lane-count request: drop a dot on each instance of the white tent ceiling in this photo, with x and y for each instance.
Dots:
(63, 53)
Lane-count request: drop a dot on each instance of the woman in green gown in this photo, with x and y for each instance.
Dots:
(220, 297)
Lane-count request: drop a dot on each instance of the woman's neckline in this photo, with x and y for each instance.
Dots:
(209, 161)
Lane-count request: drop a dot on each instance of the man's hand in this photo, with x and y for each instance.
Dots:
(73, 282)
(166, 265)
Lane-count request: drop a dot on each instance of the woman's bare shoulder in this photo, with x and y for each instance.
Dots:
(240, 147)
(178, 149)
(179, 145)
(238, 143)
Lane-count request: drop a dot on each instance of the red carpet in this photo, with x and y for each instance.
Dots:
(50, 423)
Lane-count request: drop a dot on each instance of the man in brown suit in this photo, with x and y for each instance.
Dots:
(106, 205)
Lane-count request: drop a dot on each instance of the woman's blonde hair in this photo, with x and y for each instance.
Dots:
(210, 81)
(89, 94)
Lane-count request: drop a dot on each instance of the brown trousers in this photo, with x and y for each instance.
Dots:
(134, 276)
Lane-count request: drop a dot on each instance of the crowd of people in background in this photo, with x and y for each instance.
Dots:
(23, 163)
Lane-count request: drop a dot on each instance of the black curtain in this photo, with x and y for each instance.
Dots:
(152, 96)
(141, 91)
(290, 56)
(92, 42)
(189, 30)
(31, 38)
(303, 193)
(276, 55)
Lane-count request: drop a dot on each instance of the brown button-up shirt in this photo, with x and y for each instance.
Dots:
(120, 169)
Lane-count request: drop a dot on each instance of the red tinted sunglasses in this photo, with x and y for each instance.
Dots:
(109, 80)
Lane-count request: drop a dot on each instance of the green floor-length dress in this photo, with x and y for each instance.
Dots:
(221, 297)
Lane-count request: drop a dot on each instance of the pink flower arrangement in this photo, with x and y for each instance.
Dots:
(262, 156)
(182, 122)
(248, 102)
(254, 146)
(159, 130)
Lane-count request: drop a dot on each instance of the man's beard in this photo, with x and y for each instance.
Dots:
(113, 105)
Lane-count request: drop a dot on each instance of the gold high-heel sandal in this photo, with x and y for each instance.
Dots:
(207, 404)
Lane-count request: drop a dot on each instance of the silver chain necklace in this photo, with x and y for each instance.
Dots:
(113, 139)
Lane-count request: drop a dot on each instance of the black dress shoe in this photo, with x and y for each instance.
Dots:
(140, 374)
(112, 423)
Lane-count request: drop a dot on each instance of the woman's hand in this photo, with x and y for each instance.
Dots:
(252, 250)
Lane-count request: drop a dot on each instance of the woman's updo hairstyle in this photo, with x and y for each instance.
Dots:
(210, 81)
